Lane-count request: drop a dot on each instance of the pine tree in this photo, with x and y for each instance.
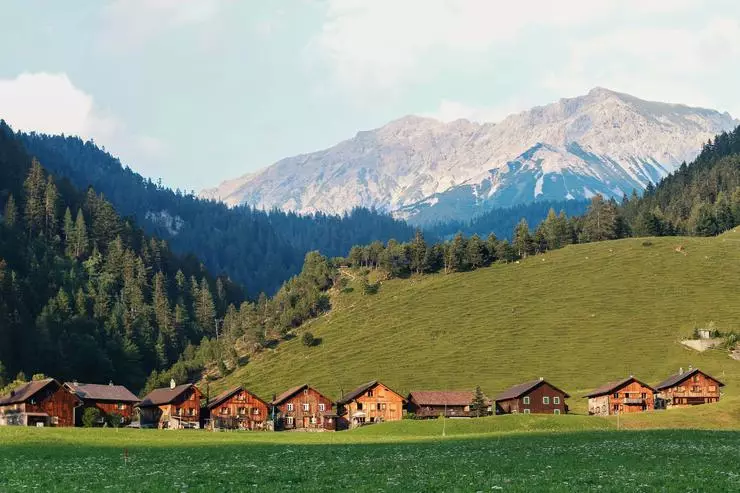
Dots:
(205, 312)
(475, 252)
(10, 214)
(68, 229)
(161, 304)
(478, 406)
(418, 253)
(80, 239)
(51, 203)
(35, 188)
(522, 240)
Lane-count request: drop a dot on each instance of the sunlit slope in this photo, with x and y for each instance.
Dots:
(579, 317)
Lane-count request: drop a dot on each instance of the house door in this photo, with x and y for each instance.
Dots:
(306, 421)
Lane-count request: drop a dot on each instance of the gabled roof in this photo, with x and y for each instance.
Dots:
(443, 397)
(607, 388)
(97, 392)
(165, 395)
(362, 389)
(680, 377)
(26, 391)
(288, 393)
(524, 388)
(228, 394)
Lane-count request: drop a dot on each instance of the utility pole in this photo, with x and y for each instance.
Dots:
(444, 420)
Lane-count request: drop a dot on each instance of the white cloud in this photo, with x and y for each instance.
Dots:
(131, 23)
(382, 43)
(666, 64)
(50, 103)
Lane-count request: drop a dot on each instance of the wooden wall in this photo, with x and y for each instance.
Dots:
(244, 408)
(378, 403)
(632, 397)
(536, 404)
(313, 418)
(697, 389)
(55, 401)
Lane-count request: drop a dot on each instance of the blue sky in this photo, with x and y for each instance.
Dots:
(195, 92)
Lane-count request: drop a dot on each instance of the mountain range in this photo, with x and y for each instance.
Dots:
(425, 171)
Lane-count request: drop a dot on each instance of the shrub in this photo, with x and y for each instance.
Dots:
(647, 243)
(91, 417)
(308, 339)
(114, 420)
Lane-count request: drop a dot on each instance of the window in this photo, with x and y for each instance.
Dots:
(241, 411)
(225, 411)
(256, 411)
(290, 406)
(369, 393)
(696, 388)
(289, 421)
(712, 388)
(322, 407)
(313, 420)
(305, 391)
(383, 407)
(556, 400)
(545, 400)
(359, 406)
(526, 411)
(191, 411)
(525, 400)
(377, 406)
(695, 378)
(644, 395)
(120, 406)
(556, 411)
(306, 407)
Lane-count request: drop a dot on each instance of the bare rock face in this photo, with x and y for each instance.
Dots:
(425, 170)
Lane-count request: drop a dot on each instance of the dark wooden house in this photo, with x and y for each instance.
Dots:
(451, 404)
(236, 409)
(535, 397)
(687, 388)
(176, 406)
(303, 408)
(371, 402)
(39, 403)
(109, 399)
(629, 395)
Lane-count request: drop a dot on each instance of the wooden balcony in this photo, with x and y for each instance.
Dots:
(633, 401)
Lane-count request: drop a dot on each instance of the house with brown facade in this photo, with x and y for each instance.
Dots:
(371, 402)
(108, 399)
(451, 404)
(236, 409)
(39, 403)
(173, 407)
(303, 408)
(687, 388)
(629, 395)
(534, 397)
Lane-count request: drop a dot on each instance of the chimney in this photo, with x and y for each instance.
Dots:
(680, 371)
(172, 383)
(690, 368)
(75, 383)
(12, 393)
(542, 378)
(110, 383)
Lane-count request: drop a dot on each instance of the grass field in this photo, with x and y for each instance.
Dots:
(579, 317)
(375, 458)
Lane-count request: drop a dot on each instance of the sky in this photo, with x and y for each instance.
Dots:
(198, 91)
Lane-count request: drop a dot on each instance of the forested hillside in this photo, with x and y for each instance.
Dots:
(84, 293)
(256, 248)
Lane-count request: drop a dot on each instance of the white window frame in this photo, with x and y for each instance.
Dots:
(556, 400)
(556, 411)
(289, 420)
(546, 399)
(322, 407)
(306, 407)
(526, 411)
(525, 399)
(290, 406)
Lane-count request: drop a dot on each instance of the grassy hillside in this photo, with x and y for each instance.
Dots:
(579, 317)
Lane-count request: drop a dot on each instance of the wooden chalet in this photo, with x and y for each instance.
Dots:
(535, 397)
(451, 404)
(629, 395)
(303, 408)
(39, 403)
(371, 402)
(236, 409)
(175, 407)
(687, 389)
(109, 399)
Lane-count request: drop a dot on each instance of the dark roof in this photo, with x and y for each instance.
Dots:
(607, 388)
(443, 397)
(97, 392)
(524, 388)
(165, 395)
(288, 393)
(362, 389)
(227, 394)
(680, 377)
(26, 391)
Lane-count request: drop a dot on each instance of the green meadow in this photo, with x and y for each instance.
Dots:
(473, 456)
(579, 316)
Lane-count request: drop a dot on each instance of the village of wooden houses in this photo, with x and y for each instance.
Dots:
(49, 402)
